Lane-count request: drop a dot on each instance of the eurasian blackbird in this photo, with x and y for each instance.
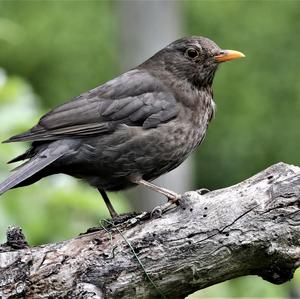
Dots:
(131, 129)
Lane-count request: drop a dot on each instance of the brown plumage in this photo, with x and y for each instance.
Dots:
(131, 129)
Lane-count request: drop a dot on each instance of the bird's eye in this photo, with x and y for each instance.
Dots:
(192, 53)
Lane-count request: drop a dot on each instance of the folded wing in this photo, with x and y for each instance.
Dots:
(134, 98)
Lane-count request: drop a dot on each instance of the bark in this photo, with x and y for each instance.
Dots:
(250, 228)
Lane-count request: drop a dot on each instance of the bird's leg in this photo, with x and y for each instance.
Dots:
(109, 206)
(173, 197)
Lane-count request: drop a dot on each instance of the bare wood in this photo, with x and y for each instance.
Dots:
(249, 228)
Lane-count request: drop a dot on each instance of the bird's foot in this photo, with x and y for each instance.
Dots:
(173, 198)
(159, 210)
(182, 201)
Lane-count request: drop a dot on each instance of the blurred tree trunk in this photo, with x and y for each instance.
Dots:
(145, 27)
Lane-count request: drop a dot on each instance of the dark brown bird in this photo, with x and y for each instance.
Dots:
(131, 129)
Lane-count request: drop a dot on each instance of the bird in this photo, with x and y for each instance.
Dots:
(133, 128)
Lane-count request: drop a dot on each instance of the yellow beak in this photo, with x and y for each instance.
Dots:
(227, 55)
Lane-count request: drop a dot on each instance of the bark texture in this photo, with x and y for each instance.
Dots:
(250, 228)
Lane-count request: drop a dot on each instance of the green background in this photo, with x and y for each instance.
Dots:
(51, 51)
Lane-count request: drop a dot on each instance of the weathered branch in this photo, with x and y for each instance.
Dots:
(249, 228)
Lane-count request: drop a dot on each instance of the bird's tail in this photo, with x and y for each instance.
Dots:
(29, 168)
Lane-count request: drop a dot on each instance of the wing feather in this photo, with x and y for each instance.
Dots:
(135, 98)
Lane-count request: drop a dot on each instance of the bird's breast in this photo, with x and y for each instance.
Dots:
(197, 116)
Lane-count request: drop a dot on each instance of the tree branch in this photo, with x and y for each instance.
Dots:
(249, 228)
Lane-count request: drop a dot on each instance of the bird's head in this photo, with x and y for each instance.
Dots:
(195, 59)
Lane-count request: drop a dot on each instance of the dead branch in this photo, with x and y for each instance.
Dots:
(250, 228)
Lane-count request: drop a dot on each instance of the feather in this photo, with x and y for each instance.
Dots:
(28, 169)
(98, 112)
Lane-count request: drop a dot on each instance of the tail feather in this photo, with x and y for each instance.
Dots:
(28, 169)
(21, 157)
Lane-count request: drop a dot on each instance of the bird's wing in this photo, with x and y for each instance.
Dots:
(134, 98)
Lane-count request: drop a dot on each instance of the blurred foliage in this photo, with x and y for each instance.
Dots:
(62, 47)
(245, 287)
(54, 50)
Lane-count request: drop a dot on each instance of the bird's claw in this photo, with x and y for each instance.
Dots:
(175, 199)
(156, 212)
(159, 210)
